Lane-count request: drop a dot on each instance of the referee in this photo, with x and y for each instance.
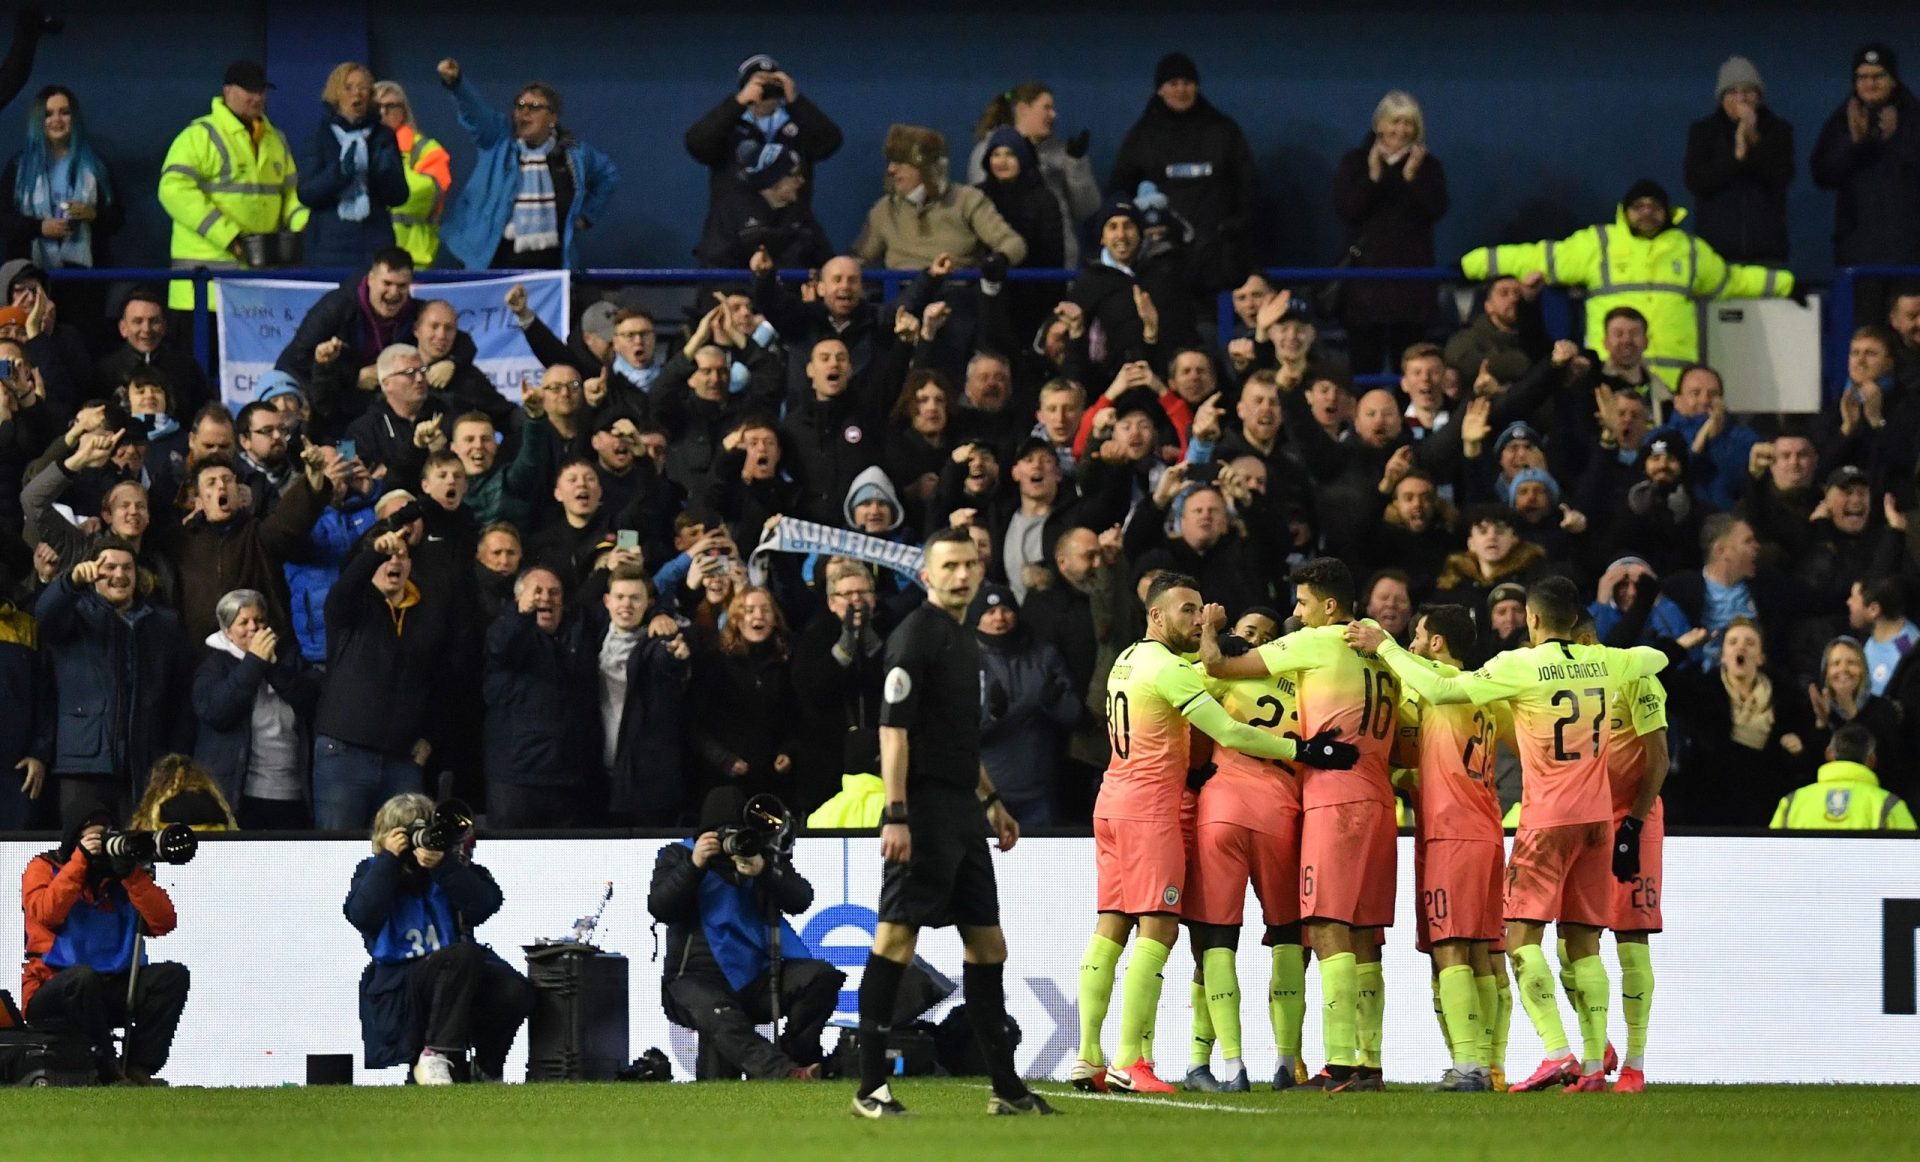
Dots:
(932, 833)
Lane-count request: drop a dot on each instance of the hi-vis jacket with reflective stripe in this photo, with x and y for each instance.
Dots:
(1847, 797)
(1664, 278)
(416, 222)
(216, 185)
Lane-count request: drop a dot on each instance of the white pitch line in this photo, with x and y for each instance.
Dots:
(1141, 1099)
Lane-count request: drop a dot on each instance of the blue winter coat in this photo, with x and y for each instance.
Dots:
(120, 684)
(330, 240)
(223, 692)
(309, 578)
(473, 225)
(387, 1019)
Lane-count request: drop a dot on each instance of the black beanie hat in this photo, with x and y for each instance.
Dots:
(1878, 54)
(1646, 188)
(1178, 66)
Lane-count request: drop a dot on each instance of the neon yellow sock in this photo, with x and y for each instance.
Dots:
(1223, 999)
(1591, 975)
(1636, 997)
(1140, 998)
(1461, 1006)
(1287, 1000)
(1502, 1018)
(1537, 996)
(1568, 984)
(1338, 1020)
(1439, 1014)
(1096, 993)
(1487, 995)
(1202, 1026)
(1370, 1011)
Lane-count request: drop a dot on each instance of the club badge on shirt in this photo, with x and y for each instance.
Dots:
(899, 685)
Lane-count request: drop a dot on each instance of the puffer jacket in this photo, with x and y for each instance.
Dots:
(314, 570)
(120, 681)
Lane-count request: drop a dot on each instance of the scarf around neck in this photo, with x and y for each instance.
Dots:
(535, 224)
(354, 204)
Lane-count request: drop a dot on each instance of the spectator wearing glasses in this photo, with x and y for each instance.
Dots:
(534, 185)
(1873, 168)
(351, 174)
(264, 464)
(407, 422)
(416, 221)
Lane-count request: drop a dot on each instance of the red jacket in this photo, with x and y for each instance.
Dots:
(1178, 410)
(50, 890)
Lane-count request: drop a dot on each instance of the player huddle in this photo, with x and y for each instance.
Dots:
(1309, 732)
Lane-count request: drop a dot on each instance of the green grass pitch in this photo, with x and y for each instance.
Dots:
(791, 1122)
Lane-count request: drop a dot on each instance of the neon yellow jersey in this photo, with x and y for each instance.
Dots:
(1246, 789)
(1340, 689)
(1149, 694)
(1561, 695)
(1455, 796)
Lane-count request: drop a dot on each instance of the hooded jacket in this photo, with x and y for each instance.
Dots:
(1025, 202)
(955, 220)
(1662, 277)
(226, 689)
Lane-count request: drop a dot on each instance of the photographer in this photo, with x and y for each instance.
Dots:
(431, 993)
(718, 909)
(83, 908)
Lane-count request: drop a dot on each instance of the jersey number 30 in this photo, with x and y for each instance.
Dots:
(1119, 724)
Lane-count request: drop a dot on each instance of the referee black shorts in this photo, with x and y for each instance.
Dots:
(949, 880)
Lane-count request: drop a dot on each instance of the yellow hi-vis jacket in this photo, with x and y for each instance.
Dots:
(217, 183)
(1846, 797)
(416, 222)
(859, 803)
(1665, 278)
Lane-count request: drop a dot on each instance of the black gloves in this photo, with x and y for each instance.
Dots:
(997, 702)
(993, 268)
(1197, 778)
(1232, 645)
(1077, 144)
(1327, 752)
(1055, 689)
(1626, 849)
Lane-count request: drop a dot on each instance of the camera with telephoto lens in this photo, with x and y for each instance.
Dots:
(765, 829)
(174, 843)
(445, 829)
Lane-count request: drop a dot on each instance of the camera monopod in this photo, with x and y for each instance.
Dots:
(133, 982)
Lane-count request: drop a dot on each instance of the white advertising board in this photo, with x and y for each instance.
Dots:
(1782, 961)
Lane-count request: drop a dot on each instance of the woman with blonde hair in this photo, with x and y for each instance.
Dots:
(430, 992)
(416, 222)
(1389, 192)
(351, 174)
(180, 790)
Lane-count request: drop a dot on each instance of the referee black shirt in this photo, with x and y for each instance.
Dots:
(932, 690)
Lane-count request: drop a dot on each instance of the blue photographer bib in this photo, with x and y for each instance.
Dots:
(419, 926)
(736, 930)
(97, 934)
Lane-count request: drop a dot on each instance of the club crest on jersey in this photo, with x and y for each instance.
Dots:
(899, 685)
(1837, 802)
(1171, 896)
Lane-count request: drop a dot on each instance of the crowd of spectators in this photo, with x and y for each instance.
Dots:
(382, 575)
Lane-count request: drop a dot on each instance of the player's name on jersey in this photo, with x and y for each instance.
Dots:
(1562, 671)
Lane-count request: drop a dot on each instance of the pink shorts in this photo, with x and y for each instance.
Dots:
(1562, 874)
(1226, 858)
(1459, 885)
(1636, 903)
(1140, 865)
(1347, 861)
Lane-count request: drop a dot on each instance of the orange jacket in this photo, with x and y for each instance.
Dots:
(50, 890)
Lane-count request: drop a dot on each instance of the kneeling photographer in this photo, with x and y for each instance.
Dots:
(87, 905)
(732, 961)
(431, 993)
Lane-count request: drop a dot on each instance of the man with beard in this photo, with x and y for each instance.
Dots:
(839, 311)
(1506, 337)
(1658, 518)
(1089, 615)
(264, 464)
(1412, 534)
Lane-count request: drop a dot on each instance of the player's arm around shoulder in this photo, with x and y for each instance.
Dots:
(1636, 661)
